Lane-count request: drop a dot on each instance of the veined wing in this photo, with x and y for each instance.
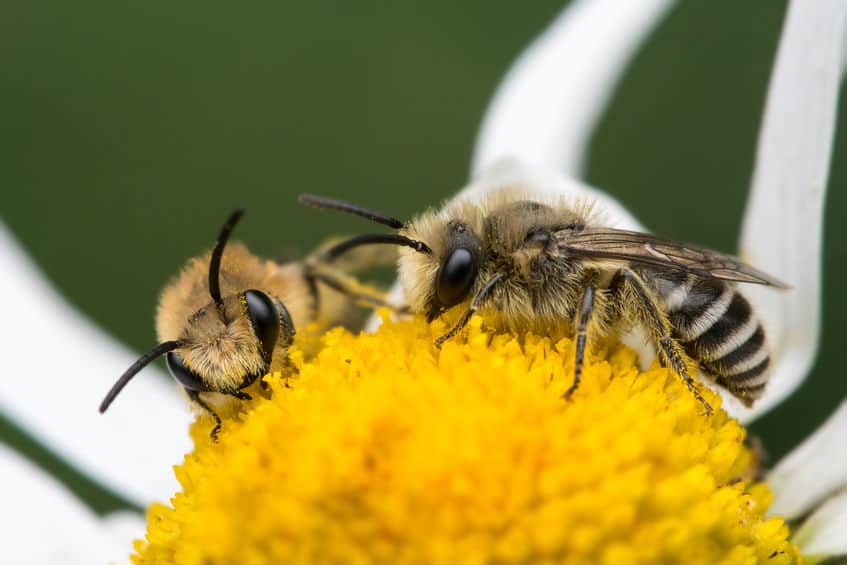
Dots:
(646, 249)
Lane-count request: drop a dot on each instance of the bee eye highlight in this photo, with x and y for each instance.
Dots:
(456, 277)
(265, 319)
(185, 376)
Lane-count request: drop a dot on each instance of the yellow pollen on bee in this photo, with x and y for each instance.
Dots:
(386, 450)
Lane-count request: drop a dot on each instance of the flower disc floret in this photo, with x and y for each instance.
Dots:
(386, 450)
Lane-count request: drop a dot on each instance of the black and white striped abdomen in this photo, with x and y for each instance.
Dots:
(718, 328)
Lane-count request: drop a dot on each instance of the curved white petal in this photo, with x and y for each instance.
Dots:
(824, 533)
(545, 179)
(123, 528)
(546, 107)
(783, 224)
(57, 366)
(43, 523)
(813, 470)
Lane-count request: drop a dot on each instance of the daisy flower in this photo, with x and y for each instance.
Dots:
(386, 450)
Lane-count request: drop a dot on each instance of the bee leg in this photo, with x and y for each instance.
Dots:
(673, 353)
(585, 308)
(477, 303)
(353, 289)
(195, 397)
(286, 338)
(463, 321)
(330, 257)
(288, 370)
(312, 287)
(659, 327)
(288, 331)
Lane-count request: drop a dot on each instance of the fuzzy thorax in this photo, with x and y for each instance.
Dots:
(536, 294)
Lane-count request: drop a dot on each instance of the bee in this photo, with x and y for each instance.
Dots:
(546, 264)
(229, 318)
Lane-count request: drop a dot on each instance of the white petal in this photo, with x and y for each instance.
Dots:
(123, 528)
(43, 523)
(58, 366)
(544, 179)
(546, 108)
(783, 225)
(813, 470)
(824, 533)
(539, 121)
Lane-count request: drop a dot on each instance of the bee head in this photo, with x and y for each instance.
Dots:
(445, 252)
(228, 344)
(228, 347)
(225, 345)
(457, 272)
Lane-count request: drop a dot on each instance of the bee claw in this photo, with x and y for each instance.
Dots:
(240, 395)
(706, 406)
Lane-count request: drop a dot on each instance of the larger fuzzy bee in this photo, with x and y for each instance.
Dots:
(229, 318)
(543, 263)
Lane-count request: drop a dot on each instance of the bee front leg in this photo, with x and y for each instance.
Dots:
(586, 307)
(286, 339)
(288, 369)
(195, 397)
(656, 321)
(477, 303)
(463, 321)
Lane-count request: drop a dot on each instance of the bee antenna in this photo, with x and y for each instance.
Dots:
(217, 253)
(350, 208)
(374, 238)
(142, 362)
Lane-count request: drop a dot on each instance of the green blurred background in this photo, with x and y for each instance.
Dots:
(130, 130)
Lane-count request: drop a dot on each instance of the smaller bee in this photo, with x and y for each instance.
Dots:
(230, 318)
(541, 263)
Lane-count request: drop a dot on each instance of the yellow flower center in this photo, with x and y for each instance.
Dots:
(385, 450)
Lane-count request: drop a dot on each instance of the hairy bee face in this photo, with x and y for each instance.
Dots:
(436, 282)
(458, 269)
(216, 349)
(229, 349)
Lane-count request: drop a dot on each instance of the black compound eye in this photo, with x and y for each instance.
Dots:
(185, 376)
(265, 319)
(456, 277)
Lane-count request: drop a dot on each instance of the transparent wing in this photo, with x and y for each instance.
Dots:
(643, 248)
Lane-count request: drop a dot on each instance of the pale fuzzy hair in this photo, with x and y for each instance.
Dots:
(188, 292)
(221, 354)
(417, 271)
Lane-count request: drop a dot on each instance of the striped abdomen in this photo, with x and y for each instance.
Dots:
(717, 327)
